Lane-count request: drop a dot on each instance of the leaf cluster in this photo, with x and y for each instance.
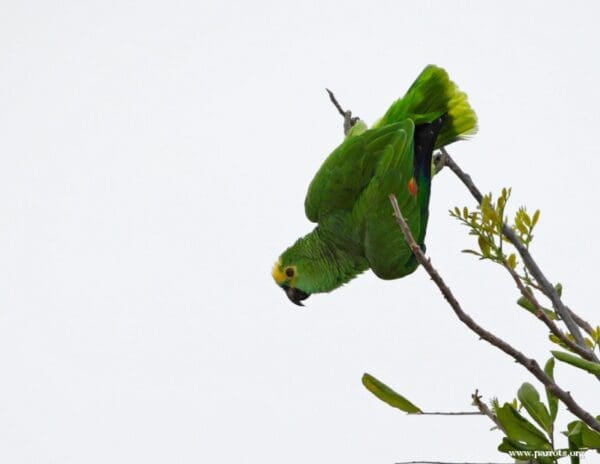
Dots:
(528, 423)
(487, 221)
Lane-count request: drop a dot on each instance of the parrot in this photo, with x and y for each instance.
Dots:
(348, 198)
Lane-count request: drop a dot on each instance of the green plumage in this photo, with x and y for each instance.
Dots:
(348, 197)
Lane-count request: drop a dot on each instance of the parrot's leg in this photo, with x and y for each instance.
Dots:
(439, 161)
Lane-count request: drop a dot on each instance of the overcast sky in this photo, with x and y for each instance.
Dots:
(154, 158)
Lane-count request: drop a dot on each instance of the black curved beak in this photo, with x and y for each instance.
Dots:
(295, 294)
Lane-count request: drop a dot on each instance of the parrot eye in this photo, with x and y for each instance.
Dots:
(289, 272)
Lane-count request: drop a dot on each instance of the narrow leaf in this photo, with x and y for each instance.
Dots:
(559, 289)
(387, 395)
(472, 252)
(528, 305)
(484, 246)
(552, 400)
(521, 227)
(590, 366)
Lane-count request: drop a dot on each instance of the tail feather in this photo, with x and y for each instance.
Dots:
(424, 141)
(432, 95)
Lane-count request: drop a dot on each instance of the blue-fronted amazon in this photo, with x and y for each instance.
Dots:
(349, 196)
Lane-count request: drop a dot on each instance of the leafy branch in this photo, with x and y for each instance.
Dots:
(529, 363)
(487, 223)
(444, 159)
(508, 246)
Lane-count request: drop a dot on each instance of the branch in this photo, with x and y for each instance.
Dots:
(546, 287)
(447, 462)
(349, 121)
(528, 294)
(484, 409)
(445, 160)
(585, 325)
(530, 364)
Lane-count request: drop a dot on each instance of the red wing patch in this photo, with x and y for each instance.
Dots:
(413, 189)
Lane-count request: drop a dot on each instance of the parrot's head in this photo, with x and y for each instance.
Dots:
(289, 275)
(294, 273)
(311, 266)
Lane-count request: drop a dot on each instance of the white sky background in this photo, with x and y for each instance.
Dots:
(154, 158)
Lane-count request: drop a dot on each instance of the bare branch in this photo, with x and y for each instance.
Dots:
(463, 176)
(349, 121)
(448, 462)
(530, 364)
(459, 413)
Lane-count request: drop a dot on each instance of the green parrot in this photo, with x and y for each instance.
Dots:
(348, 197)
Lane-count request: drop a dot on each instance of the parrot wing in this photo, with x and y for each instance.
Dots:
(348, 170)
(384, 245)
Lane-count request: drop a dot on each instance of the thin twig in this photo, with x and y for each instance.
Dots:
(448, 462)
(585, 325)
(484, 409)
(530, 364)
(546, 287)
(349, 121)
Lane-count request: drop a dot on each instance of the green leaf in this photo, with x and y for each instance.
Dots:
(583, 436)
(521, 228)
(535, 218)
(484, 246)
(559, 288)
(528, 305)
(596, 334)
(387, 395)
(509, 445)
(512, 260)
(525, 303)
(573, 447)
(501, 202)
(589, 366)
(552, 400)
(554, 339)
(530, 399)
(520, 429)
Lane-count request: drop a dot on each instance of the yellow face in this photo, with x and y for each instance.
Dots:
(286, 277)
